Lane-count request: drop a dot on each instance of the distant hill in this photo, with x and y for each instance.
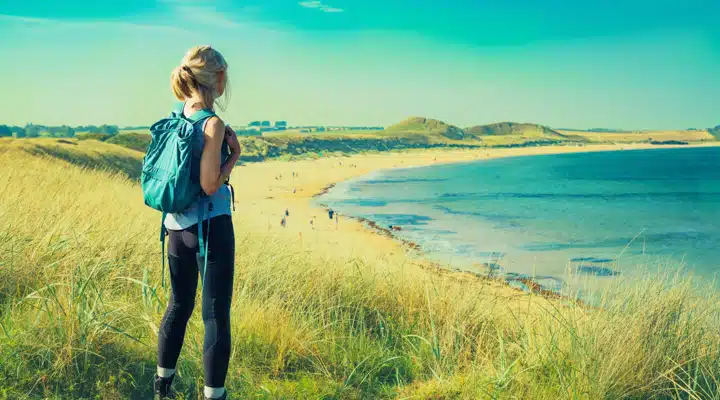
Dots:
(513, 128)
(715, 132)
(497, 134)
(429, 126)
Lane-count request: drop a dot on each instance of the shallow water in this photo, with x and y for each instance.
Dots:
(584, 216)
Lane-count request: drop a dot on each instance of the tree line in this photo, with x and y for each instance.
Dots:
(62, 131)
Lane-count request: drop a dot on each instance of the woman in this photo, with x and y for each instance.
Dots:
(199, 81)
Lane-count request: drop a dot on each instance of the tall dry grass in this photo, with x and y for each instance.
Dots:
(80, 300)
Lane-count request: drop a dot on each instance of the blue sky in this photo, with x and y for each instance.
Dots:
(628, 64)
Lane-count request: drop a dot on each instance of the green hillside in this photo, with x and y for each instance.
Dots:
(429, 126)
(513, 128)
(497, 134)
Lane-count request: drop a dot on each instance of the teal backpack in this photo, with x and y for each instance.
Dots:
(170, 176)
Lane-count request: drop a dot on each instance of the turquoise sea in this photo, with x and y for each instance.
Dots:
(557, 218)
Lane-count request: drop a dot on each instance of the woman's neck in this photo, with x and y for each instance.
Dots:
(196, 104)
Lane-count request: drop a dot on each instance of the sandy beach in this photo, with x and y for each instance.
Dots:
(264, 191)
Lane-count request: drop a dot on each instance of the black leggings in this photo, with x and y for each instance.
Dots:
(184, 261)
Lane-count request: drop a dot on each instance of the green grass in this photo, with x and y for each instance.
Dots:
(80, 301)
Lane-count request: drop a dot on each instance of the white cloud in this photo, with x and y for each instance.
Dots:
(320, 6)
(310, 4)
(203, 12)
(177, 16)
(50, 22)
(204, 15)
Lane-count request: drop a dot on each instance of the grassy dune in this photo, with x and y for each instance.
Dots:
(90, 154)
(645, 136)
(80, 300)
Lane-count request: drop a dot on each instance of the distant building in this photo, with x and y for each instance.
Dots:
(267, 126)
(253, 126)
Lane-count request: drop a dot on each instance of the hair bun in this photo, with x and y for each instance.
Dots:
(190, 73)
(198, 75)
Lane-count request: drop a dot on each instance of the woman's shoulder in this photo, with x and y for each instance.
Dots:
(215, 126)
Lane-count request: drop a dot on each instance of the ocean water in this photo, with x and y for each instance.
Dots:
(557, 218)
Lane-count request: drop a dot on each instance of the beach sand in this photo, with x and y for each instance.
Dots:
(265, 190)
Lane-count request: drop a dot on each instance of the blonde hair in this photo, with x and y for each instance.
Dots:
(197, 74)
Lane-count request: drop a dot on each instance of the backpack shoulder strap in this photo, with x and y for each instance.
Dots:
(163, 233)
(202, 240)
(177, 111)
(201, 115)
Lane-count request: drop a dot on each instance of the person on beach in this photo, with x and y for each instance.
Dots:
(287, 213)
(198, 82)
(337, 220)
(330, 214)
(283, 222)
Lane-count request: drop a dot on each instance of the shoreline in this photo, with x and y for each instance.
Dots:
(532, 285)
(268, 189)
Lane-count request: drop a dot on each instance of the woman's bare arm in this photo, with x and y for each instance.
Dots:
(212, 175)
